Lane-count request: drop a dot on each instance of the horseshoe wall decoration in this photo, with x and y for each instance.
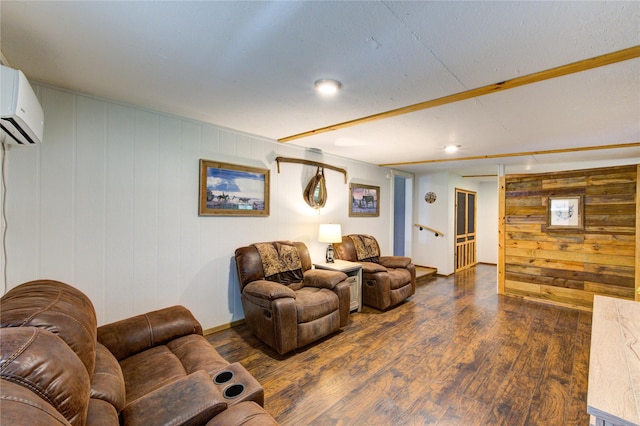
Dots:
(315, 194)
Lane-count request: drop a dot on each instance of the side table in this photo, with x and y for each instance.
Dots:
(354, 273)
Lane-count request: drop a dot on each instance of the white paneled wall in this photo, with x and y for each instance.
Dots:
(108, 203)
(487, 226)
(429, 250)
(440, 252)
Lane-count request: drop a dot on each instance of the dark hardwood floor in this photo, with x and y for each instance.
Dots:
(455, 353)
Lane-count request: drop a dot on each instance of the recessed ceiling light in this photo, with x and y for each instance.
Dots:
(327, 86)
(451, 148)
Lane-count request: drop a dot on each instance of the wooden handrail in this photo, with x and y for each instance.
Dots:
(310, 163)
(435, 231)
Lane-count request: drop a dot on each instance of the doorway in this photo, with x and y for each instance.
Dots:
(402, 190)
(465, 220)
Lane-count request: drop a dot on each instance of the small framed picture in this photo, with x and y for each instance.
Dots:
(565, 213)
(364, 200)
(233, 190)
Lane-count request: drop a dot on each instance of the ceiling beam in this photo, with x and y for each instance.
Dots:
(575, 67)
(517, 154)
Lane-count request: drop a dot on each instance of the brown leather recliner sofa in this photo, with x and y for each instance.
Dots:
(386, 280)
(287, 304)
(58, 368)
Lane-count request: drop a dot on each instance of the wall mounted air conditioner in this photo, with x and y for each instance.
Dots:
(21, 116)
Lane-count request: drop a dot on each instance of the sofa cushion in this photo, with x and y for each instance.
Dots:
(313, 303)
(19, 406)
(102, 413)
(399, 278)
(313, 330)
(42, 362)
(150, 370)
(141, 332)
(107, 382)
(57, 307)
(196, 353)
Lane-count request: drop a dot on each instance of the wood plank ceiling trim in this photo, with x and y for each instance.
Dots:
(575, 67)
(519, 154)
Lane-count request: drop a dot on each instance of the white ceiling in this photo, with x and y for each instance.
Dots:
(250, 66)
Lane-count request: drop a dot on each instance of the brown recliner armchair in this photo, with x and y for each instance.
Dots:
(287, 304)
(386, 280)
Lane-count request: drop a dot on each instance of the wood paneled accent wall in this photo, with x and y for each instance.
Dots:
(568, 266)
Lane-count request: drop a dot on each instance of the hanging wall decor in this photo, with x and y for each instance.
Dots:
(315, 194)
(310, 163)
(364, 200)
(233, 190)
(565, 213)
(430, 197)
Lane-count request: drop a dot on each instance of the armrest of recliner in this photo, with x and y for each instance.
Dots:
(244, 413)
(191, 400)
(321, 278)
(395, 261)
(372, 267)
(135, 334)
(268, 290)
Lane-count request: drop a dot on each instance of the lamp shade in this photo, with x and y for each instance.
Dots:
(330, 233)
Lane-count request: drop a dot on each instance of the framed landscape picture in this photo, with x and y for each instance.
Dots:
(565, 213)
(364, 200)
(233, 190)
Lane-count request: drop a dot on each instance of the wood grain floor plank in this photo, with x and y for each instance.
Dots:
(580, 375)
(456, 353)
(551, 400)
(512, 403)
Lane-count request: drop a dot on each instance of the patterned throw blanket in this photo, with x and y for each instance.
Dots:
(366, 248)
(280, 261)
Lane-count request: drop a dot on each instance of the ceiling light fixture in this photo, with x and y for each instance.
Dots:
(327, 86)
(451, 148)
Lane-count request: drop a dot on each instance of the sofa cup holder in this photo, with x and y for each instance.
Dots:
(223, 377)
(233, 391)
(236, 385)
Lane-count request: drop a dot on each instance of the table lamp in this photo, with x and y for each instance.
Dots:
(330, 233)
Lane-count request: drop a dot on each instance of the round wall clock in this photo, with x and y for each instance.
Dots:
(430, 197)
